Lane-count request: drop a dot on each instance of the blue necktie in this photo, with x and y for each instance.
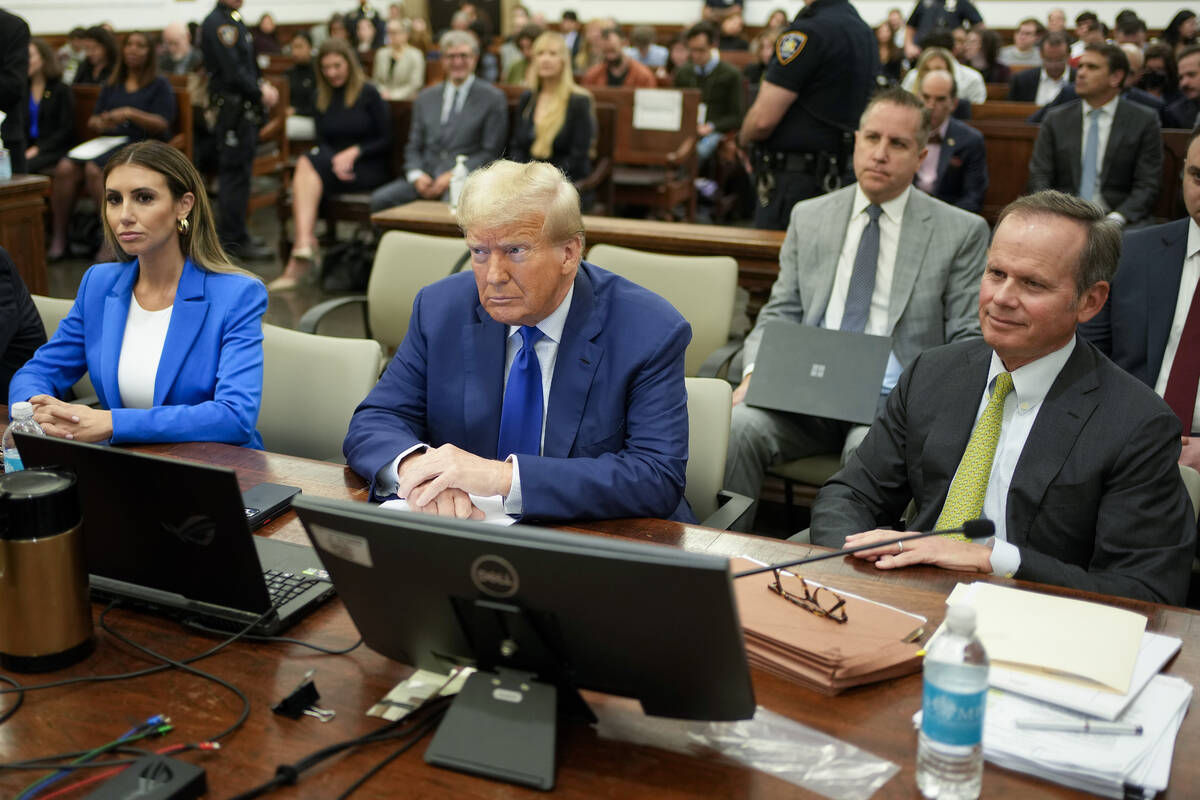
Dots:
(1091, 153)
(521, 416)
(862, 279)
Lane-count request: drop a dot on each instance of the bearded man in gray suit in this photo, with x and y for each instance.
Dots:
(921, 289)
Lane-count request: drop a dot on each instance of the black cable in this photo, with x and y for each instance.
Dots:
(20, 690)
(416, 735)
(57, 761)
(249, 637)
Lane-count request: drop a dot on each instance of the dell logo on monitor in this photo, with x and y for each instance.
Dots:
(494, 576)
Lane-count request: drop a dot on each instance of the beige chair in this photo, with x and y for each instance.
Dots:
(710, 401)
(52, 310)
(311, 386)
(404, 264)
(702, 289)
(1191, 482)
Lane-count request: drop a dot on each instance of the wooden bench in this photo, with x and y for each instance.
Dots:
(1002, 109)
(997, 91)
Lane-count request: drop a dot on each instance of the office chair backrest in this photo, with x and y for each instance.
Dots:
(404, 264)
(311, 386)
(702, 289)
(52, 310)
(710, 401)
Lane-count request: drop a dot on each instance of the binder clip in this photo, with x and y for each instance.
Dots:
(303, 700)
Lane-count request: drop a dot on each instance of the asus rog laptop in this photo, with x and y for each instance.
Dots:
(172, 536)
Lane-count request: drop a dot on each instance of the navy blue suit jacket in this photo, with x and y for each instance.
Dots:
(209, 381)
(616, 423)
(1133, 326)
(962, 177)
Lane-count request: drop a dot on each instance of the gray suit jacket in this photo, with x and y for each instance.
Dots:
(935, 285)
(1096, 501)
(480, 130)
(1130, 172)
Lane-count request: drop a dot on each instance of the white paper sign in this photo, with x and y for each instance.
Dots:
(657, 109)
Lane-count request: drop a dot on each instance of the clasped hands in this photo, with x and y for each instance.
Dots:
(70, 420)
(938, 551)
(432, 188)
(440, 481)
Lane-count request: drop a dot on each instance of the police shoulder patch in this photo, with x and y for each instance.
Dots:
(789, 45)
(228, 34)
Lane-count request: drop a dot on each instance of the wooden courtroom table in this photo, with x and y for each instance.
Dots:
(756, 251)
(22, 227)
(876, 718)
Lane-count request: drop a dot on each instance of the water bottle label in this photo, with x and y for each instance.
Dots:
(953, 718)
(12, 461)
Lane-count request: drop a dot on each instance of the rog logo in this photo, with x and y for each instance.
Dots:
(494, 576)
(197, 530)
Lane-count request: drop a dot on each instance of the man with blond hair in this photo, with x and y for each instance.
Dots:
(537, 376)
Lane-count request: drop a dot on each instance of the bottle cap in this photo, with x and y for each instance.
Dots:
(22, 410)
(961, 619)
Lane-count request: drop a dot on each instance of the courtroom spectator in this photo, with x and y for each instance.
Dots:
(50, 111)
(462, 115)
(372, 37)
(610, 437)
(72, 54)
(716, 10)
(480, 21)
(1160, 75)
(21, 330)
(970, 82)
(1056, 21)
(958, 39)
(265, 36)
(399, 69)
(1088, 30)
(570, 28)
(680, 55)
(733, 33)
(101, 56)
(1132, 31)
(779, 19)
(178, 56)
(936, 16)
(616, 68)
(895, 20)
(954, 169)
(645, 49)
(983, 54)
(336, 28)
(1023, 51)
(177, 327)
(1145, 326)
(354, 139)
(302, 90)
(520, 68)
(1117, 163)
(920, 286)
(720, 88)
(364, 36)
(136, 102)
(487, 66)
(555, 118)
(418, 34)
(510, 49)
(591, 52)
(1082, 487)
(1180, 32)
(1041, 86)
(1182, 113)
(891, 57)
(763, 48)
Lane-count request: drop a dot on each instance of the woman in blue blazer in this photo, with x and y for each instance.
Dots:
(171, 334)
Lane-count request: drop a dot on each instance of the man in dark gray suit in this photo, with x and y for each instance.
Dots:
(1071, 457)
(1101, 147)
(461, 116)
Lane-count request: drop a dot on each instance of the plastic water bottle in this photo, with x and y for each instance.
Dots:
(458, 177)
(22, 420)
(5, 157)
(950, 745)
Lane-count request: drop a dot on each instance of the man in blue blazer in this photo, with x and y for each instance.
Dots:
(587, 364)
(954, 169)
(1144, 325)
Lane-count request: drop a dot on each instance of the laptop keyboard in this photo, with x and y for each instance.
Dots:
(284, 586)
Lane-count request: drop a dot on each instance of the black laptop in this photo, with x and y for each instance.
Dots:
(172, 536)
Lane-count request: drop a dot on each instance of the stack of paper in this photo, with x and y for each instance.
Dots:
(876, 641)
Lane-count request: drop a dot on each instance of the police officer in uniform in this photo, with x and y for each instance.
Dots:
(802, 122)
(239, 99)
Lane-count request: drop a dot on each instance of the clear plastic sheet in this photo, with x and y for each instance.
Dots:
(769, 742)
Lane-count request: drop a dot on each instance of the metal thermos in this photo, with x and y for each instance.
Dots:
(45, 614)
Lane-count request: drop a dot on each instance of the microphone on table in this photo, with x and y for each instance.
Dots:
(972, 529)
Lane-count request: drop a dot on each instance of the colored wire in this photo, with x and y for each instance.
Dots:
(175, 748)
(156, 728)
(20, 690)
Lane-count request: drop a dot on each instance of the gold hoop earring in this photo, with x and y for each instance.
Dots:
(183, 226)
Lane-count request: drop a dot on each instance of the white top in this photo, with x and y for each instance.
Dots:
(1107, 112)
(1183, 303)
(969, 80)
(1049, 88)
(1011, 56)
(141, 350)
(1031, 383)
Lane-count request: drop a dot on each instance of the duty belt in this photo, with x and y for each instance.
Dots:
(781, 161)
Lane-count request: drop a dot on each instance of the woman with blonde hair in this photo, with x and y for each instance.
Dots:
(555, 120)
(170, 333)
(354, 141)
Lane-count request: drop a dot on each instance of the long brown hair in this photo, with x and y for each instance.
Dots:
(199, 243)
(51, 71)
(354, 80)
(147, 73)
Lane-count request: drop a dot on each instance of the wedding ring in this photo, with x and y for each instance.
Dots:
(901, 546)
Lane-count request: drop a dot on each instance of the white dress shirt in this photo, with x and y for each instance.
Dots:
(1030, 386)
(1183, 303)
(1049, 88)
(141, 350)
(927, 172)
(1107, 112)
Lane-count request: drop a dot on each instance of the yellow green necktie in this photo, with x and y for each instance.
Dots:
(965, 499)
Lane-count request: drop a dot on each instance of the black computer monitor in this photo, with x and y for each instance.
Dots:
(541, 613)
